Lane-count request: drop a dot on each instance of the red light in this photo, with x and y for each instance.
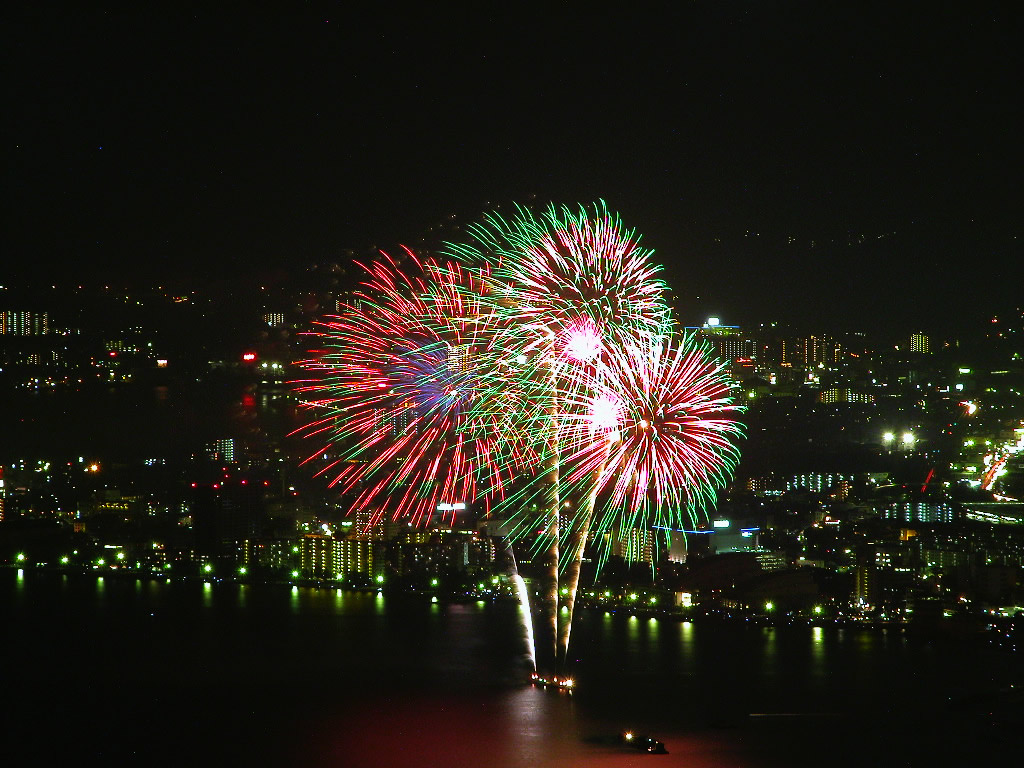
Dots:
(113, 354)
(194, 485)
(244, 482)
(249, 357)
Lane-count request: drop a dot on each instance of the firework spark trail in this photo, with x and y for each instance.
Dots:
(567, 283)
(404, 394)
(657, 443)
(674, 445)
(544, 357)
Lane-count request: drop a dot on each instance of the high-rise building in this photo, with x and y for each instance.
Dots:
(865, 587)
(821, 350)
(324, 555)
(635, 545)
(458, 358)
(395, 421)
(21, 323)
(225, 516)
(728, 342)
(919, 343)
(222, 450)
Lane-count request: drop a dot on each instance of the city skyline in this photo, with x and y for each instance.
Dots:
(855, 162)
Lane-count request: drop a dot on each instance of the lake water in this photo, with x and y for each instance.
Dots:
(126, 672)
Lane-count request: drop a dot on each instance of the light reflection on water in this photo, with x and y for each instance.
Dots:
(322, 677)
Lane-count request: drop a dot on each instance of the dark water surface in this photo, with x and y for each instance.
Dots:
(121, 672)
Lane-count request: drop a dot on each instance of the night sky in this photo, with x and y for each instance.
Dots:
(840, 165)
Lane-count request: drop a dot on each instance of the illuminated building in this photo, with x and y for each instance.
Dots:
(394, 420)
(771, 561)
(727, 341)
(458, 358)
(1, 494)
(818, 482)
(865, 587)
(920, 512)
(222, 450)
(274, 554)
(20, 323)
(821, 350)
(225, 515)
(844, 395)
(364, 526)
(327, 556)
(274, 319)
(635, 545)
(919, 343)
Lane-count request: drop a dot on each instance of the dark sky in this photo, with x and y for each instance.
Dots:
(825, 163)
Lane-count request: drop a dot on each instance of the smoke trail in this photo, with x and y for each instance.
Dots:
(524, 608)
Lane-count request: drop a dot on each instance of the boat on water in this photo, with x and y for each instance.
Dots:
(643, 743)
(559, 683)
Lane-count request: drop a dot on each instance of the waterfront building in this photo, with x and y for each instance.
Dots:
(328, 556)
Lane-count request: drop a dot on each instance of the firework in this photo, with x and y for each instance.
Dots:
(405, 393)
(535, 372)
(553, 270)
(659, 434)
(568, 284)
(656, 441)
